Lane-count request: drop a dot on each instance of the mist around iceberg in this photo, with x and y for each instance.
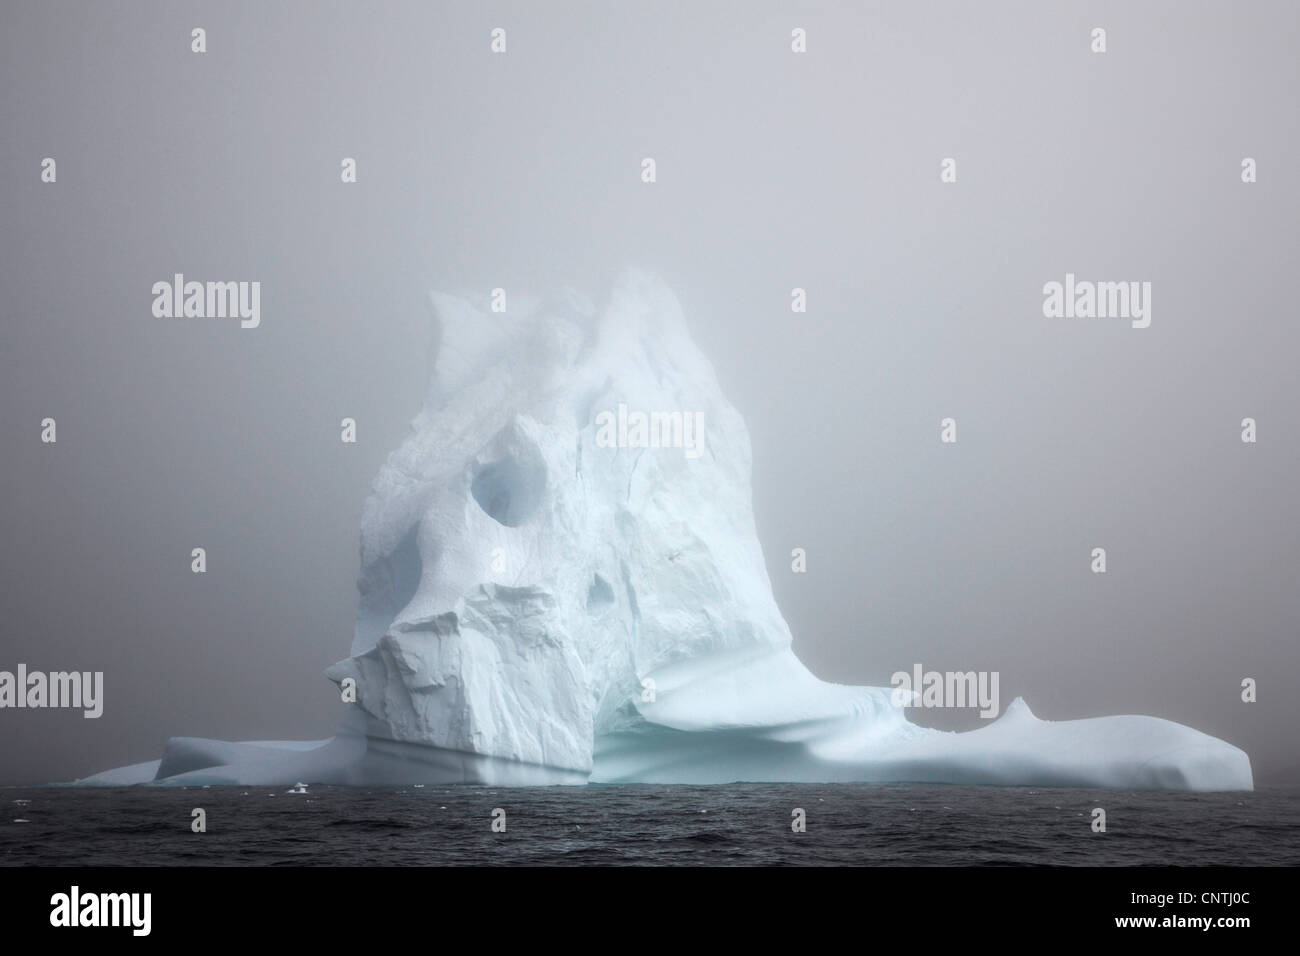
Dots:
(561, 583)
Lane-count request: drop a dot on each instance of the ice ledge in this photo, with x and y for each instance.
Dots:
(1125, 752)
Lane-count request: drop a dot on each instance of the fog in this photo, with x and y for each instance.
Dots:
(775, 170)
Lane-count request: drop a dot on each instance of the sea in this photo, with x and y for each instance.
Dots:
(646, 825)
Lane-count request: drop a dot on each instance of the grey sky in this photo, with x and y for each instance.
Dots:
(775, 170)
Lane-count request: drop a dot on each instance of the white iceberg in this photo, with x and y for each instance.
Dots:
(561, 582)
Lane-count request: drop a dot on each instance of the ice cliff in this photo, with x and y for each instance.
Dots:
(561, 582)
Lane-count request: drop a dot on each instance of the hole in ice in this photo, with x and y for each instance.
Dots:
(508, 490)
(389, 584)
(599, 594)
(404, 566)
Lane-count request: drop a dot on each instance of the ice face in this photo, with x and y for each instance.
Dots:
(561, 581)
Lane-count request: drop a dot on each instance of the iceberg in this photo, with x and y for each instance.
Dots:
(561, 582)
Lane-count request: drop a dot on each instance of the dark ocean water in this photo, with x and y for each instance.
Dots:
(739, 824)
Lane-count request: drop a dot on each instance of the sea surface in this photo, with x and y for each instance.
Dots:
(732, 825)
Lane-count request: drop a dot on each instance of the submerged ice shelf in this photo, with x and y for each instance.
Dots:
(561, 582)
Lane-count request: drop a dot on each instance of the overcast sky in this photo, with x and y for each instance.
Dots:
(775, 170)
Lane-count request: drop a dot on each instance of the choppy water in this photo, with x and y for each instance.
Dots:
(740, 824)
